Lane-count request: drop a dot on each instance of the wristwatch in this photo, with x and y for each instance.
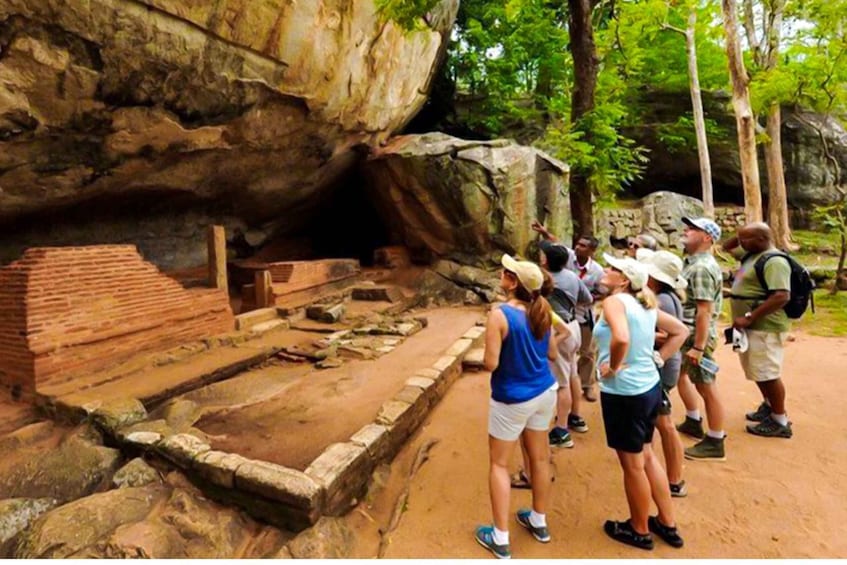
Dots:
(748, 315)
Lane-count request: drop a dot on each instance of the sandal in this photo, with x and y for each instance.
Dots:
(520, 480)
(623, 532)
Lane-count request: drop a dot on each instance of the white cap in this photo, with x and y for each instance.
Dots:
(633, 270)
(663, 266)
(528, 273)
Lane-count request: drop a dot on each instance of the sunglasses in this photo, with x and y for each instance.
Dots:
(633, 245)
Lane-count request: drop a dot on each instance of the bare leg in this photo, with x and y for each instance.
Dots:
(538, 448)
(498, 480)
(774, 393)
(659, 489)
(564, 402)
(688, 393)
(671, 447)
(714, 406)
(637, 488)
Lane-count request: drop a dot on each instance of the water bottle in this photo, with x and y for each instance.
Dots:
(709, 365)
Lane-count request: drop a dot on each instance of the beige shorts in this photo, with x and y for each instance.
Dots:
(763, 359)
(565, 365)
(507, 421)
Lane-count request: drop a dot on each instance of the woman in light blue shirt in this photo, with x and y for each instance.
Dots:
(631, 395)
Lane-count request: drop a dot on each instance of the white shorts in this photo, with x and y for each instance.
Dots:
(565, 365)
(763, 359)
(507, 421)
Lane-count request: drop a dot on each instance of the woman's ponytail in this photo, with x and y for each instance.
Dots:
(538, 314)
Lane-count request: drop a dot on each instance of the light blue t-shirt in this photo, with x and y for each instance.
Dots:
(640, 373)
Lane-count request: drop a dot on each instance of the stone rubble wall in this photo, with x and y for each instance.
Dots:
(69, 310)
(331, 484)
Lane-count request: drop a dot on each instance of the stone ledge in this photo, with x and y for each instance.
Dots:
(374, 438)
(279, 483)
(218, 467)
(343, 469)
(182, 449)
(459, 348)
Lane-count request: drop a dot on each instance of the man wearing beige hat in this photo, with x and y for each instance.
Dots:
(665, 272)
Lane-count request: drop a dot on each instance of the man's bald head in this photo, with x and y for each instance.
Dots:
(755, 237)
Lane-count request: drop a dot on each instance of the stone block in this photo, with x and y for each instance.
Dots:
(275, 482)
(459, 347)
(182, 449)
(142, 438)
(326, 313)
(218, 467)
(410, 394)
(475, 332)
(117, 413)
(402, 419)
(474, 360)
(343, 469)
(374, 438)
(378, 293)
(253, 317)
(136, 473)
(429, 387)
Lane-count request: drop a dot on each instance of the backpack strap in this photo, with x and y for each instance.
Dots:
(760, 266)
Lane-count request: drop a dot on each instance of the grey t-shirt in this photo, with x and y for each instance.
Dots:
(576, 291)
(670, 303)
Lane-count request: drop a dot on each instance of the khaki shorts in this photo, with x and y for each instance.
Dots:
(762, 361)
(694, 372)
(507, 421)
(565, 365)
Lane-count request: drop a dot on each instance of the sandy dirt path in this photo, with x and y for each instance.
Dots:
(771, 498)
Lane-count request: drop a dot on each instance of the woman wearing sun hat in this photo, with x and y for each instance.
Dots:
(631, 395)
(518, 351)
(665, 271)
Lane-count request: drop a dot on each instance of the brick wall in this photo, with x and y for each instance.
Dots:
(70, 310)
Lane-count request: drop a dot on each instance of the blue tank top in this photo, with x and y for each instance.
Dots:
(640, 374)
(523, 371)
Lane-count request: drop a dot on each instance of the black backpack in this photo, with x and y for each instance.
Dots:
(802, 284)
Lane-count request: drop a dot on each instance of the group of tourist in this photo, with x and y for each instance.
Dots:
(655, 328)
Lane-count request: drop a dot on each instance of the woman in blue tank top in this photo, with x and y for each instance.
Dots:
(518, 350)
(631, 396)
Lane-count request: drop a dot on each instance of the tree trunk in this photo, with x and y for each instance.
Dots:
(699, 120)
(777, 194)
(585, 64)
(744, 120)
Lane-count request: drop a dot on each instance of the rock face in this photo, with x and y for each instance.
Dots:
(147, 119)
(809, 173)
(449, 197)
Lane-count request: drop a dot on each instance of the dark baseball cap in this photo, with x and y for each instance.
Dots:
(555, 252)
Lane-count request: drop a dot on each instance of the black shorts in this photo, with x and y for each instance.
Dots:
(630, 420)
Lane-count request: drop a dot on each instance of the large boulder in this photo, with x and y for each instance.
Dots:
(16, 514)
(447, 197)
(144, 120)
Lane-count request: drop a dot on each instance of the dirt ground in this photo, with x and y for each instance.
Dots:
(771, 498)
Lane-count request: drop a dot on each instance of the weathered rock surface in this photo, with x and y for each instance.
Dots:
(79, 524)
(75, 468)
(658, 214)
(449, 197)
(329, 538)
(15, 515)
(142, 121)
(136, 473)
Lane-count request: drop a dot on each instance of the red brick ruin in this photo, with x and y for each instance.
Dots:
(69, 310)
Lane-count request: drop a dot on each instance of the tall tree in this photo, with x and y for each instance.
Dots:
(697, 108)
(585, 68)
(765, 48)
(745, 121)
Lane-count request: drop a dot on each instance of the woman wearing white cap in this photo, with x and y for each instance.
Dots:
(518, 351)
(631, 395)
(665, 271)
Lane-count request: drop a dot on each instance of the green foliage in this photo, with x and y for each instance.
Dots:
(407, 13)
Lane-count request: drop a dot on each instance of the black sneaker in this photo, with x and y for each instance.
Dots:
(692, 427)
(762, 412)
(560, 437)
(577, 424)
(669, 535)
(623, 532)
(679, 490)
(771, 428)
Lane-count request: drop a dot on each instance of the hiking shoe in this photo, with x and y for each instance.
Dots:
(707, 449)
(577, 424)
(762, 412)
(560, 437)
(679, 490)
(590, 394)
(484, 536)
(770, 428)
(669, 535)
(541, 534)
(692, 427)
(623, 532)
